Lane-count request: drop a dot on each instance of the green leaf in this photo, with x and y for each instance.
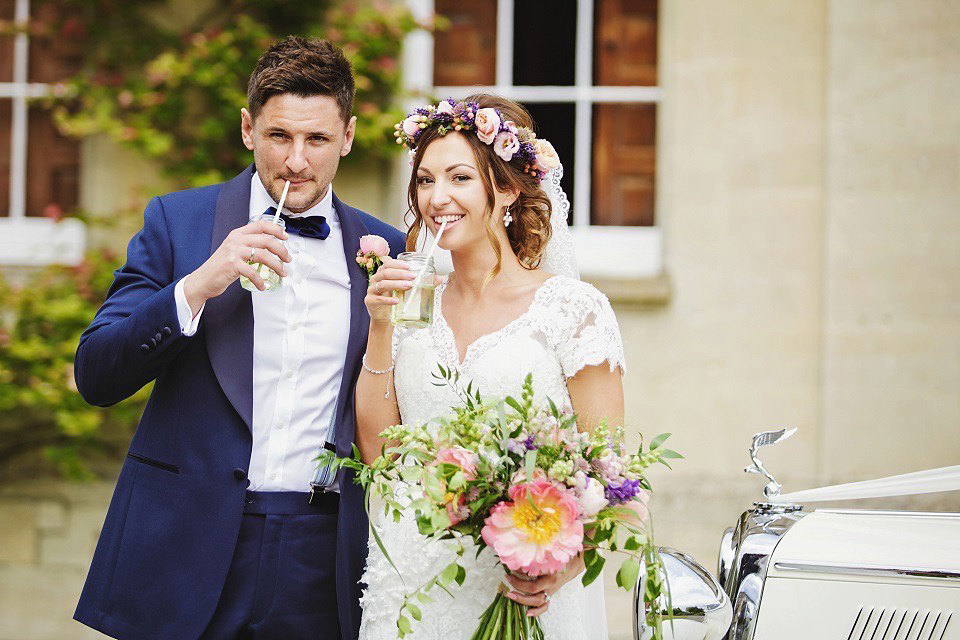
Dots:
(461, 575)
(516, 405)
(403, 624)
(628, 574)
(383, 549)
(449, 573)
(414, 611)
(659, 440)
(631, 544)
(670, 453)
(530, 464)
(593, 570)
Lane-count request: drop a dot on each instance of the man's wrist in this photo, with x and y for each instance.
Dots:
(194, 297)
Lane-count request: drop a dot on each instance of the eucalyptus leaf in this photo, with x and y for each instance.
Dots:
(659, 440)
(628, 574)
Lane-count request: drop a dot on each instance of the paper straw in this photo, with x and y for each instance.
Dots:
(433, 247)
(283, 197)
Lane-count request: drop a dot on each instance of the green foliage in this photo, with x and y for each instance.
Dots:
(175, 95)
(40, 408)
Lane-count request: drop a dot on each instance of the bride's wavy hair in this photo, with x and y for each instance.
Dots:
(530, 230)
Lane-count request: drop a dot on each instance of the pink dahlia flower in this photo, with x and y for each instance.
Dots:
(538, 533)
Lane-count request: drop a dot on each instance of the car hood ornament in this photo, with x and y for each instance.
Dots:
(762, 440)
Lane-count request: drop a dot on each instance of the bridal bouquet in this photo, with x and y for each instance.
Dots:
(520, 479)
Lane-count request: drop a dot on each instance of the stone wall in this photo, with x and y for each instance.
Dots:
(48, 532)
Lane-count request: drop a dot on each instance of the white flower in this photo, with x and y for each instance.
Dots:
(592, 499)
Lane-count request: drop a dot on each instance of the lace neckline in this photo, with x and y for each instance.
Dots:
(446, 341)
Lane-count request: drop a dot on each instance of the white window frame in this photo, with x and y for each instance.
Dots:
(30, 241)
(639, 250)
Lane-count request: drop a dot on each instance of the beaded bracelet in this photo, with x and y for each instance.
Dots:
(363, 361)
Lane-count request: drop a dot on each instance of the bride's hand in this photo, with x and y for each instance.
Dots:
(536, 592)
(393, 275)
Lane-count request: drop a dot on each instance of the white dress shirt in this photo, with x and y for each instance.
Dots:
(300, 334)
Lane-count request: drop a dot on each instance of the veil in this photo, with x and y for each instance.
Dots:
(559, 257)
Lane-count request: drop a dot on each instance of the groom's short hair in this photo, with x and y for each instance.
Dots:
(304, 67)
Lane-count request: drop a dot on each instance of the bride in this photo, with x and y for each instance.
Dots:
(513, 305)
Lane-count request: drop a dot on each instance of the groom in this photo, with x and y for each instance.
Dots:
(221, 526)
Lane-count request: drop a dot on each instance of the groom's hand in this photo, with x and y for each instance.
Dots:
(259, 241)
(536, 592)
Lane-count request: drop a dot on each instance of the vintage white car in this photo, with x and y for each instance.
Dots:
(786, 573)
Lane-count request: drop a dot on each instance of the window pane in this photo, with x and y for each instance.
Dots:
(554, 122)
(624, 160)
(625, 43)
(6, 108)
(52, 167)
(544, 42)
(6, 44)
(466, 53)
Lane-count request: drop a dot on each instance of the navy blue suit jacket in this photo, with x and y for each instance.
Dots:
(171, 529)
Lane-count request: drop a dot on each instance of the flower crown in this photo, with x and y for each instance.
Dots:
(510, 142)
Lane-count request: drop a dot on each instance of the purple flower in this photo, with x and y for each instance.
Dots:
(624, 492)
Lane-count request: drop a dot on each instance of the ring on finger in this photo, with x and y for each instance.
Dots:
(377, 287)
(253, 252)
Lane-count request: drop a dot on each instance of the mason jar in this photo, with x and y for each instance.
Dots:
(271, 279)
(415, 309)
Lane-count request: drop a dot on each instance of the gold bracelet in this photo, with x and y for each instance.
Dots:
(363, 361)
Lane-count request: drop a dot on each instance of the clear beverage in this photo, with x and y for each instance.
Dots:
(415, 309)
(271, 279)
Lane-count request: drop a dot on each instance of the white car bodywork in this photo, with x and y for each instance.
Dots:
(864, 574)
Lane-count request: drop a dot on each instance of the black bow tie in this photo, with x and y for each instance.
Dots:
(305, 227)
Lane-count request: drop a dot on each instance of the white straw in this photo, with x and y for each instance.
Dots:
(283, 197)
(433, 247)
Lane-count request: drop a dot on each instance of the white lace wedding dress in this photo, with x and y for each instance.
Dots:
(568, 326)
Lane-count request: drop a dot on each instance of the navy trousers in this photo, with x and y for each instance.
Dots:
(282, 580)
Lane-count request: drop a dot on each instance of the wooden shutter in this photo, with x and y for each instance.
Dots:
(53, 160)
(624, 161)
(625, 43)
(624, 135)
(466, 53)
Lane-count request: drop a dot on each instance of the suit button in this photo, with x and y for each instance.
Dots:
(152, 342)
(158, 337)
(144, 348)
(239, 474)
(166, 332)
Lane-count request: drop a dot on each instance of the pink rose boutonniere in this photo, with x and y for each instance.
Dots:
(372, 250)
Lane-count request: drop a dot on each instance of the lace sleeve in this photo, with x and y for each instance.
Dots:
(588, 333)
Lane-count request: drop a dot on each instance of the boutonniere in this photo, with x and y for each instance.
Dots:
(372, 249)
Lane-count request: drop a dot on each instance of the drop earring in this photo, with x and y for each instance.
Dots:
(507, 217)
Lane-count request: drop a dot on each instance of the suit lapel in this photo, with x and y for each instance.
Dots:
(352, 227)
(229, 316)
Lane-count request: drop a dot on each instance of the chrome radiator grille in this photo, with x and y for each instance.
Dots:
(894, 624)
